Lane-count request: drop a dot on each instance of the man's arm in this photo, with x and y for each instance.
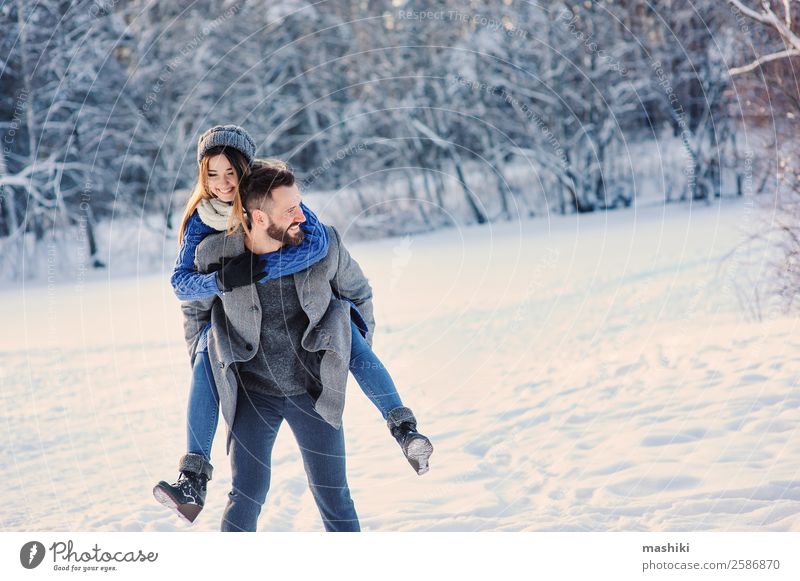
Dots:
(350, 283)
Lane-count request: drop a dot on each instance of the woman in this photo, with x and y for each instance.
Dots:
(224, 155)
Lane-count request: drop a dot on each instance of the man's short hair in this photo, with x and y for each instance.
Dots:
(265, 176)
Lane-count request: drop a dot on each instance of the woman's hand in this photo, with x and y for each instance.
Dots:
(242, 270)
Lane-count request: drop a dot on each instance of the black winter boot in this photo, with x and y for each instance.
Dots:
(188, 495)
(416, 447)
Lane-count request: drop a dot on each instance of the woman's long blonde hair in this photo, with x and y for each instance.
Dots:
(201, 191)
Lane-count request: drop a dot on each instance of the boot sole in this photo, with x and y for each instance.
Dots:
(418, 452)
(186, 512)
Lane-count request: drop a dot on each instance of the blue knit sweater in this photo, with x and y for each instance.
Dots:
(189, 284)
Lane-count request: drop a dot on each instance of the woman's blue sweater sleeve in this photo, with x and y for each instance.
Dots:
(187, 283)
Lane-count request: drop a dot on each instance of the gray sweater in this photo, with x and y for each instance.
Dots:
(281, 366)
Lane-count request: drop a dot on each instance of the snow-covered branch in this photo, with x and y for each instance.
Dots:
(770, 19)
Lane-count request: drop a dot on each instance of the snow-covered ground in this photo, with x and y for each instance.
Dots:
(575, 373)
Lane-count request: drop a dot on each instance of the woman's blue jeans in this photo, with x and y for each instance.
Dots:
(258, 418)
(203, 412)
(371, 375)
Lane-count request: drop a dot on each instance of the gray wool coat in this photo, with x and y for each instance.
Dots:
(235, 319)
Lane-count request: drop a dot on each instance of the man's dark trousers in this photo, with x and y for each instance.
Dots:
(258, 417)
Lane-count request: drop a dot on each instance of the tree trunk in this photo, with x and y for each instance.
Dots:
(91, 240)
(472, 202)
(413, 195)
(8, 208)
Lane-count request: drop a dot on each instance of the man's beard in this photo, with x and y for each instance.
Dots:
(283, 235)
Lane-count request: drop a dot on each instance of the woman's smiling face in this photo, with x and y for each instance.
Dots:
(222, 179)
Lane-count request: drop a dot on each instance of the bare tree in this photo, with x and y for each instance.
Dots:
(774, 69)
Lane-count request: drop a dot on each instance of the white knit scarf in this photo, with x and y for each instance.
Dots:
(214, 212)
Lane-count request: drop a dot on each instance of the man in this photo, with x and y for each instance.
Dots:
(280, 350)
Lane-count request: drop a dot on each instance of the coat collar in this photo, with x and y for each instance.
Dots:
(233, 244)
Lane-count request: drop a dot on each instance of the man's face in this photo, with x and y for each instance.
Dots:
(282, 216)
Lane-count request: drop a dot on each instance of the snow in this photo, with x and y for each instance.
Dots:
(574, 373)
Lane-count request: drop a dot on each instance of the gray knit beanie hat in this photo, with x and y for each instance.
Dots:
(229, 136)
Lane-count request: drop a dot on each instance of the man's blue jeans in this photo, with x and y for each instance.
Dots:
(203, 412)
(258, 418)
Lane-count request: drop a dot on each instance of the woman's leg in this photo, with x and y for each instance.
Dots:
(372, 376)
(187, 495)
(377, 384)
(203, 412)
(255, 427)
